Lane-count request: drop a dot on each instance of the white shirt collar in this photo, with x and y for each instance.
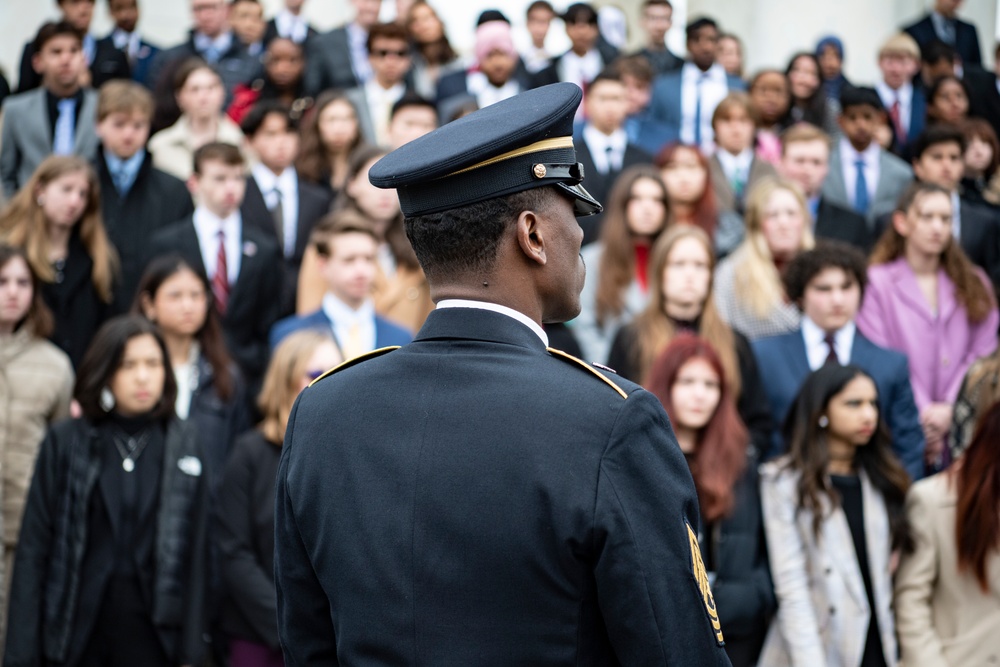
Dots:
(267, 181)
(497, 308)
(291, 26)
(341, 314)
(731, 163)
(888, 95)
(816, 349)
(208, 221)
(870, 155)
(715, 73)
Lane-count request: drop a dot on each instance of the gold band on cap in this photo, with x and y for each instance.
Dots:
(543, 145)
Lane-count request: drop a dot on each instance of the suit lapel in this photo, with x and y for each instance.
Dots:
(908, 291)
(83, 130)
(840, 545)
(798, 357)
(724, 189)
(835, 179)
(41, 112)
(877, 538)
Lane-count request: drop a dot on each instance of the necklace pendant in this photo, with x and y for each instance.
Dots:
(128, 465)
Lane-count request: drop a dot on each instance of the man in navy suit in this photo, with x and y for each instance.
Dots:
(348, 250)
(906, 105)
(126, 38)
(684, 100)
(827, 284)
(943, 24)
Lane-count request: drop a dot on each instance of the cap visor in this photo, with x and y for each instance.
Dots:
(583, 203)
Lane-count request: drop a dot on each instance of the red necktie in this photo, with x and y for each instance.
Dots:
(220, 281)
(897, 123)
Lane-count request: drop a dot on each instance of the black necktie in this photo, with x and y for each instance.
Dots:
(831, 356)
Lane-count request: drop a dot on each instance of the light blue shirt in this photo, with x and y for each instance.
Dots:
(124, 172)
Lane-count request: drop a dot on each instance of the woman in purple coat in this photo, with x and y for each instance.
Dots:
(926, 299)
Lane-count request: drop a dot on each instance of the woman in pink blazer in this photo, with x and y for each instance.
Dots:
(926, 299)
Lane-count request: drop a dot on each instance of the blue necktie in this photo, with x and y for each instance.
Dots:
(861, 189)
(697, 111)
(62, 143)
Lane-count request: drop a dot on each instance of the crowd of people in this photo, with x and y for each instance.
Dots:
(803, 270)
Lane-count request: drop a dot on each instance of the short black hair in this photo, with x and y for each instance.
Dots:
(103, 359)
(939, 133)
(935, 51)
(53, 29)
(692, 29)
(857, 96)
(826, 255)
(466, 239)
(411, 99)
(580, 12)
(606, 74)
(253, 121)
(488, 15)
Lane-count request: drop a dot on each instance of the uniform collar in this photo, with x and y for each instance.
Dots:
(479, 323)
(497, 308)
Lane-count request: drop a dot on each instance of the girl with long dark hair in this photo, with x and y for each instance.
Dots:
(833, 514)
(690, 382)
(330, 133)
(947, 588)
(810, 103)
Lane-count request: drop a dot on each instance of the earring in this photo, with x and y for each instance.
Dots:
(107, 400)
(824, 422)
(40, 201)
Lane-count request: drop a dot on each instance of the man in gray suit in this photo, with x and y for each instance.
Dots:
(339, 59)
(389, 56)
(863, 176)
(57, 118)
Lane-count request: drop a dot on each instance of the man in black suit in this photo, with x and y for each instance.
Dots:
(657, 18)
(602, 145)
(339, 58)
(519, 506)
(984, 93)
(239, 259)
(290, 24)
(588, 54)
(937, 159)
(137, 199)
(943, 24)
(805, 160)
(104, 61)
(277, 201)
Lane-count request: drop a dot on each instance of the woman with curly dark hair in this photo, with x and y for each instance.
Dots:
(834, 518)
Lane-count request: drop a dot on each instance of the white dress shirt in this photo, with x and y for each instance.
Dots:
(186, 375)
(580, 70)
(497, 308)
(714, 88)
(904, 95)
(816, 348)
(207, 225)
(736, 165)
(380, 101)
(357, 39)
(848, 156)
(607, 150)
(344, 318)
(283, 189)
(486, 93)
(129, 42)
(291, 26)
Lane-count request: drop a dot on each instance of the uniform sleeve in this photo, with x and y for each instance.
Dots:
(305, 628)
(796, 617)
(915, 581)
(656, 607)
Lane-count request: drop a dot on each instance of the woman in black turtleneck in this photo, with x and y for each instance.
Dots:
(110, 568)
(681, 267)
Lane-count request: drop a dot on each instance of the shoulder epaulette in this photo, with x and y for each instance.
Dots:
(559, 354)
(356, 360)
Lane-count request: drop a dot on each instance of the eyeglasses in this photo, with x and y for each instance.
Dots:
(384, 53)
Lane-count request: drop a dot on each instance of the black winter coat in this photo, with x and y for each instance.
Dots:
(53, 543)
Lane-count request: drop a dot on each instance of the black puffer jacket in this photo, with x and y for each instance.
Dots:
(46, 588)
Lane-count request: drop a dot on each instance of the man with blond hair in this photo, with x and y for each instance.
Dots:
(899, 62)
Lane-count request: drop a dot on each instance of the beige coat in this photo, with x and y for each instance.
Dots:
(173, 148)
(823, 611)
(944, 618)
(36, 386)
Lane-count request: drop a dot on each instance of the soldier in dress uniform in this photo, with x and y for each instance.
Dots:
(476, 498)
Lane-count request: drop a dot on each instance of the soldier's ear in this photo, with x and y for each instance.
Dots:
(530, 237)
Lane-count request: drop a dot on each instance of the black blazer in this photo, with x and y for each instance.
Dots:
(842, 224)
(329, 63)
(253, 300)
(108, 63)
(314, 203)
(75, 304)
(966, 39)
(984, 98)
(155, 200)
(271, 32)
(599, 185)
(245, 540)
(518, 509)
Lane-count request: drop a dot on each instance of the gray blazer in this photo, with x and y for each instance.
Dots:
(360, 101)
(328, 58)
(26, 138)
(894, 176)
